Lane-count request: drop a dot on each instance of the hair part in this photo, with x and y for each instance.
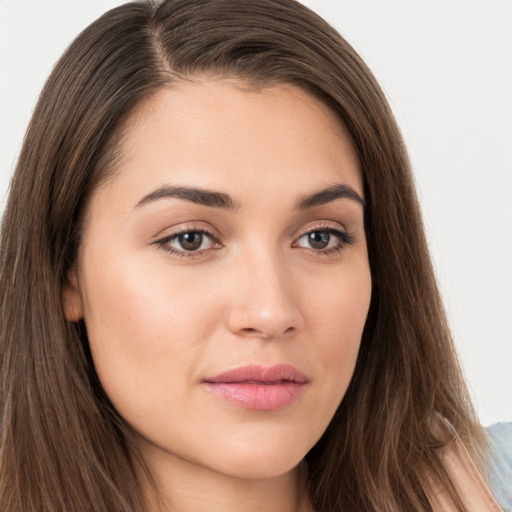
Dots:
(63, 445)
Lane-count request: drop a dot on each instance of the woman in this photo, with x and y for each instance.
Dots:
(216, 291)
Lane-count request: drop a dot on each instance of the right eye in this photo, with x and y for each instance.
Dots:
(188, 243)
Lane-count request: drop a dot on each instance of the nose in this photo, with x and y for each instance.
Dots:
(264, 302)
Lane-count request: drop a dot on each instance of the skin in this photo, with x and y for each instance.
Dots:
(256, 292)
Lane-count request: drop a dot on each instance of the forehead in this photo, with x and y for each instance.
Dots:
(220, 133)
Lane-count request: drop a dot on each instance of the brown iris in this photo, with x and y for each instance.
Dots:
(319, 239)
(190, 241)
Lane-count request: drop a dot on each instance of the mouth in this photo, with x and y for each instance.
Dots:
(259, 388)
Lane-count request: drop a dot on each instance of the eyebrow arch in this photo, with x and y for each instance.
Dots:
(195, 195)
(336, 191)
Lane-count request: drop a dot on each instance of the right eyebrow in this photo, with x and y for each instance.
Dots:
(200, 196)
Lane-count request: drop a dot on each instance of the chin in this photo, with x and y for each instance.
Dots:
(264, 462)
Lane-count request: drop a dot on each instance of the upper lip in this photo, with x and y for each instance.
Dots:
(255, 374)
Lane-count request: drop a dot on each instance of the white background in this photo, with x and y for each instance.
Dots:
(446, 67)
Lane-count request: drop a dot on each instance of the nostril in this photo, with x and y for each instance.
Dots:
(260, 333)
(249, 330)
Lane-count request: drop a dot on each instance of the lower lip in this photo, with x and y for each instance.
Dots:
(257, 396)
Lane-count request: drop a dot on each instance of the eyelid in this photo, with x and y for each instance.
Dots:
(186, 227)
(320, 226)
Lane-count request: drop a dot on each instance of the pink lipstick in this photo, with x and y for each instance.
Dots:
(259, 388)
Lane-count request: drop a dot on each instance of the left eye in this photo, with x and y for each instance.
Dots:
(322, 239)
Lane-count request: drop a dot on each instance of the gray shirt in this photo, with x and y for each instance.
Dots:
(500, 470)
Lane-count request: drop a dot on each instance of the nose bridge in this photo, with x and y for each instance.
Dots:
(264, 303)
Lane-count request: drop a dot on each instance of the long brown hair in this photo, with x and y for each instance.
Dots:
(63, 446)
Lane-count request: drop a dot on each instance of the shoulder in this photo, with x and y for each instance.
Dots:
(500, 469)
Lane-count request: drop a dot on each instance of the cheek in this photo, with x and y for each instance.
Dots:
(338, 317)
(340, 307)
(144, 332)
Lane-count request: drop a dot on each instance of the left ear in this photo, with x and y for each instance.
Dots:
(72, 297)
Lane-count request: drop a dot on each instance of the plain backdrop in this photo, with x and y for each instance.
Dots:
(446, 68)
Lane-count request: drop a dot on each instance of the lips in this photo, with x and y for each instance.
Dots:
(259, 388)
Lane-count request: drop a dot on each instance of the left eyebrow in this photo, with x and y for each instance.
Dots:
(337, 191)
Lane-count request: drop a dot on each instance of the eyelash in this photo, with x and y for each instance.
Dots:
(343, 237)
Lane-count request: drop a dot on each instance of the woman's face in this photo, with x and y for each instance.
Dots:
(224, 278)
